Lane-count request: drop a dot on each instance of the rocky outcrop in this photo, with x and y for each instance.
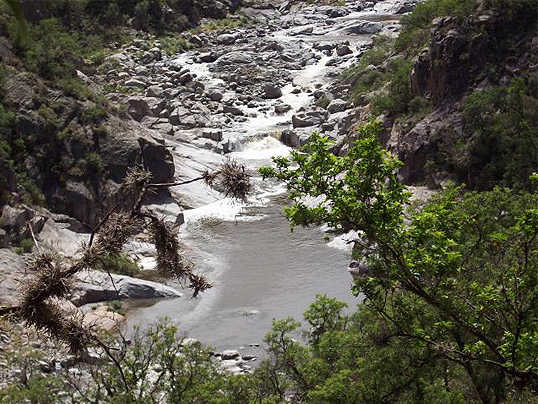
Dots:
(489, 48)
(458, 53)
(79, 152)
(418, 145)
(95, 286)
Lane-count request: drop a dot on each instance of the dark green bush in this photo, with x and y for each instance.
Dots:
(121, 264)
(503, 123)
(25, 246)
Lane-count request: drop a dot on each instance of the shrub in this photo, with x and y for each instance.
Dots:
(121, 264)
(503, 126)
(25, 246)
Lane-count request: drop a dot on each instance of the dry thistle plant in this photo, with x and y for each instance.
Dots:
(40, 299)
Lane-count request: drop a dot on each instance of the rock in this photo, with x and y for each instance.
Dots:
(196, 86)
(59, 237)
(215, 95)
(4, 239)
(236, 57)
(310, 118)
(213, 134)
(249, 358)
(178, 115)
(154, 91)
(362, 27)
(301, 30)
(94, 286)
(359, 270)
(337, 12)
(142, 71)
(337, 105)
(185, 77)
(328, 126)
(12, 273)
(230, 354)
(270, 91)
(104, 319)
(138, 108)
(230, 109)
(418, 145)
(134, 83)
(226, 39)
(343, 50)
(189, 341)
(294, 138)
(282, 108)
(14, 220)
(403, 7)
(208, 57)
(45, 366)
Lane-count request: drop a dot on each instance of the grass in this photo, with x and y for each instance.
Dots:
(219, 25)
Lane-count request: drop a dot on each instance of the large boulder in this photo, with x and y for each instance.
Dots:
(208, 57)
(337, 105)
(295, 138)
(310, 118)
(362, 27)
(226, 39)
(15, 219)
(404, 6)
(138, 108)
(103, 318)
(271, 91)
(343, 50)
(95, 286)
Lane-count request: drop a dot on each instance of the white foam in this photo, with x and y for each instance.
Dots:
(344, 241)
(224, 209)
(263, 149)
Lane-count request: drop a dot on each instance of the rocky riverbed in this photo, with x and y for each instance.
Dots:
(247, 93)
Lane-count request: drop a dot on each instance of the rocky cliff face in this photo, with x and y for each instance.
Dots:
(489, 49)
(77, 152)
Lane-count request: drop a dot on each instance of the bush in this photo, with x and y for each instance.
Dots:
(121, 264)
(25, 246)
(38, 390)
(415, 25)
(503, 126)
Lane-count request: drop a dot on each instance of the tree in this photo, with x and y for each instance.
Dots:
(457, 276)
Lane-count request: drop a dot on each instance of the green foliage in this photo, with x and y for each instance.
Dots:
(55, 53)
(121, 264)
(185, 373)
(367, 75)
(115, 306)
(416, 25)
(323, 101)
(222, 24)
(36, 391)
(175, 44)
(499, 143)
(503, 123)
(399, 96)
(425, 12)
(457, 277)
(359, 187)
(25, 246)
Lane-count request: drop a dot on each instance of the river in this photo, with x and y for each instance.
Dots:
(261, 270)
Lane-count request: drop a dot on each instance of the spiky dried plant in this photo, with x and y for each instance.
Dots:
(116, 231)
(231, 178)
(53, 274)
